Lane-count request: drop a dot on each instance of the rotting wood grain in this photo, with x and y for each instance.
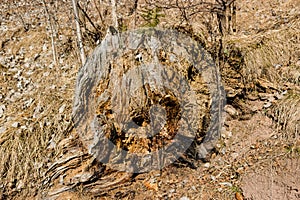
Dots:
(142, 100)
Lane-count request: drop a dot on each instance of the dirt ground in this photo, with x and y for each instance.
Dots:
(257, 158)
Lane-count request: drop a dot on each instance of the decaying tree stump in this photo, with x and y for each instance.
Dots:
(143, 99)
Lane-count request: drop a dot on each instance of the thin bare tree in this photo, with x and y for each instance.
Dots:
(47, 14)
(78, 32)
(227, 16)
(114, 13)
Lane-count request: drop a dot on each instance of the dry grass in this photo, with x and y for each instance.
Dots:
(27, 150)
(42, 112)
(286, 114)
(270, 55)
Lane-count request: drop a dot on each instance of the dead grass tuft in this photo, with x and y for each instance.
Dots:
(26, 149)
(270, 55)
(286, 114)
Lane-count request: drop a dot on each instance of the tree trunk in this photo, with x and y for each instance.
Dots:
(142, 100)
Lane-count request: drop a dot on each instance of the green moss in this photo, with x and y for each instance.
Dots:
(152, 17)
(236, 189)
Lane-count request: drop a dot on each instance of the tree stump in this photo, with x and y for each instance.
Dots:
(143, 99)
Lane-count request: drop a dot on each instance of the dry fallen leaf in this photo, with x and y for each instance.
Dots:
(151, 186)
(238, 196)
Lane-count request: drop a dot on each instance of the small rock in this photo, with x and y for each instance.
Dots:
(234, 155)
(267, 105)
(207, 165)
(37, 111)
(46, 74)
(16, 96)
(223, 151)
(271, 99)
(226, 134)
(252, 97)
(213, 177)
(230, 92)
(277, 66)
(51, 145)
(61, 179)
(24, 127)
(20, 185)
(45, 47)
(172, 58)
(29, 72)
(15, 124)
(284, 92)
(63, 87)
(61, 61)
(226, 184)
(184, 198)
(264, 96)
(51, 65)
(240, 169)
(231, 111)
(278, 96)
(62, 108)
(19, 85)
(86, 176)
(172, 191)
(49, 123)
(229, 134)
(281, 95)
(2, 130)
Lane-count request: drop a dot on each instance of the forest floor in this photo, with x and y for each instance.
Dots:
(257, 158)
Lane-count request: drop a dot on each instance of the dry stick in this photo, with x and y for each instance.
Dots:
(99, 11)
(78, 32)
(25, 26)
(234, 17)
(85, 15)
(52, 32)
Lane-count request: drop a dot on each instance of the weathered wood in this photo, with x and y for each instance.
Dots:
(143, 99)
(126, 77)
